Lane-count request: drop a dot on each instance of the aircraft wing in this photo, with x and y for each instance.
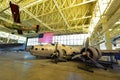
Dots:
(110, 52)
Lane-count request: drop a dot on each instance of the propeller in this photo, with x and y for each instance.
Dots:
(88, 54)
(89, 57)
(86, 57)
(86, 44)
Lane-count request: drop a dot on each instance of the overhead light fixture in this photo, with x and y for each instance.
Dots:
(110, 29)
(117, 22)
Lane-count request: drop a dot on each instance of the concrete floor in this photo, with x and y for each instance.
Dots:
(23, 66)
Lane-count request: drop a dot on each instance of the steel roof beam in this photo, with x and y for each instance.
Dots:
(2, 26)
(29, 13)
(80, 4)
(9, 21)
(4, 19)
(31, 4)
(56, 4)
(34, 3)
(71, 28)
(76, 27)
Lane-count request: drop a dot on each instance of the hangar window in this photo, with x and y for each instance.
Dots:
(75, 39)
(32, 42)
(12, 38)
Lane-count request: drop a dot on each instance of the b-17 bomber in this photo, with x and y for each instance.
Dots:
(50, 50)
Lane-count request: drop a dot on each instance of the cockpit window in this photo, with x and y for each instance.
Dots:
(42, 48)
(36, 48)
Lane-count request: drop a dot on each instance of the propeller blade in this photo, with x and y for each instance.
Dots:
(86, 43)
(96, 63)
(15, 12)
(77, 56)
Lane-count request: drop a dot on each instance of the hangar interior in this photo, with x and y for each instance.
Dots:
(71, 21)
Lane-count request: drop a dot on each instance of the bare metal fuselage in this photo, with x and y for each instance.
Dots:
(47, 50)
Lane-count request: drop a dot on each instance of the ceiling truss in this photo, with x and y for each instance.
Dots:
(59, 16)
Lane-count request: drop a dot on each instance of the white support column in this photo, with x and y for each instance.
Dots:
(107, 34)
(108, 43)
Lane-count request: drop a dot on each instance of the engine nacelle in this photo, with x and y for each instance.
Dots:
(91, 52)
